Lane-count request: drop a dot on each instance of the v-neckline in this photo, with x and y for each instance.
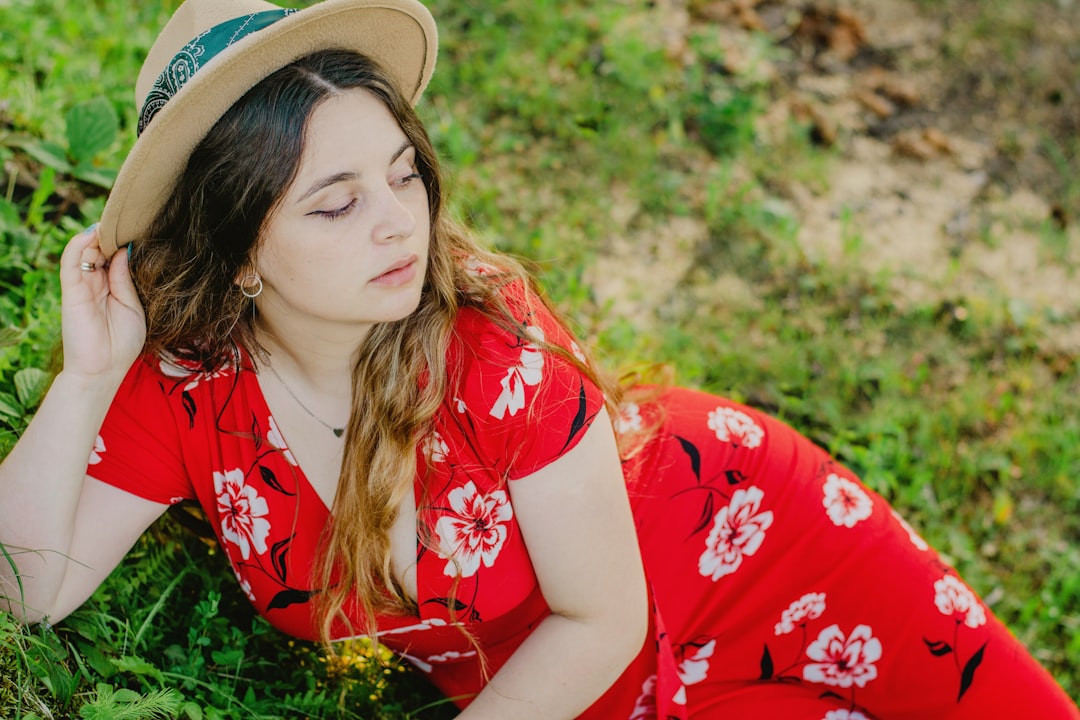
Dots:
(306, 489)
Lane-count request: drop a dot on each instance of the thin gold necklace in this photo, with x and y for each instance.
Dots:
(338, 431)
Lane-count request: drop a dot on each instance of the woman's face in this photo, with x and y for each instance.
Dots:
(348, 242)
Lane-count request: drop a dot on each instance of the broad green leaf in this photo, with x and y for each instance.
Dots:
(47, 153)
(9, 406)
(30, 384)
(102, 177)
(138, 666)
(92, 126)
(9, 336)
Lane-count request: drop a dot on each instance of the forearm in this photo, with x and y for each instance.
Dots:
(562, 668)
(41, 481)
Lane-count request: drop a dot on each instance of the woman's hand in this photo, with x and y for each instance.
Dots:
(103, 324)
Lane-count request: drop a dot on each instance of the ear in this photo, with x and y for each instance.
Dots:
(250, 284)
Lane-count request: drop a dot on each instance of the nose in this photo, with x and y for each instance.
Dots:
(396, 219)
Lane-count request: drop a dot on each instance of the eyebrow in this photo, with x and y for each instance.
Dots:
(348, 176)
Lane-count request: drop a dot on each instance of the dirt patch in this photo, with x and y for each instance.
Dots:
(954, 126)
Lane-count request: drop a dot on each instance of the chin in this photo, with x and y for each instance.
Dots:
(403, 309)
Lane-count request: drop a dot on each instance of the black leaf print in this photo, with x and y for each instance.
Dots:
(767, 668)
(695, 457)
(968, 675)
(831, 694)
(446, 602)
(458, 607)
(271, 480)
(189, 408)
(579, 419)
(278, 552)
(707, 513)
(285, 598)
(734, 477)
(938, 647)
(255, 432)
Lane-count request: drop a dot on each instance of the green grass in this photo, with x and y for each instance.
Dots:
(553, 118)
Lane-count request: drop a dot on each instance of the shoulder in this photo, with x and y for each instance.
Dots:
(173, 386)
(516, 319)
(520, 379)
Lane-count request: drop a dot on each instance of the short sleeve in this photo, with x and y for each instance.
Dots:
(526, 403)
(138, 447)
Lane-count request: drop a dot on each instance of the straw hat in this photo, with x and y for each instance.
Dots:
(211, 52)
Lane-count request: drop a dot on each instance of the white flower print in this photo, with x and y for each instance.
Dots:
(243, 513)
(645, 707)
(99, 448)
(845, 502)
(628, 419)
(476, 530)
(577, 353)
(844, 715)
(176, 368)
(405, 630)
(953, 597)
(735, 427)
(460, 405)
(843, 661)
(914, 536)
(738, 530)
(451, 656)
(695, 668)
(808, 607)
(245, 585)
(528, 371)
(275, 438)
(435, 448)
(477, 267)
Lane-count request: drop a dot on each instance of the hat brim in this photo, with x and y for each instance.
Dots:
(400, 35)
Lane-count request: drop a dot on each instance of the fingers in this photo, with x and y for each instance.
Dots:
(82, 255)
(121, 285)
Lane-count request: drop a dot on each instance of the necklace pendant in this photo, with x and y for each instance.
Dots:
(338, 432)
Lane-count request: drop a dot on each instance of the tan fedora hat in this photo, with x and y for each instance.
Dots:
(211, 52)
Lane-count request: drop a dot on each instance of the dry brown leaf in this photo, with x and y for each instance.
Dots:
(875, 103)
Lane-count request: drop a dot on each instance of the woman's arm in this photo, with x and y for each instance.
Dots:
(63, 531)
(575, 518)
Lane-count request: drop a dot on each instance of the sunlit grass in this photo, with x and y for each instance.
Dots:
(566, 126)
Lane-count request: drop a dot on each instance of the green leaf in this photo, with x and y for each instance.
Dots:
(35, 213)
(30, 384)
(9, 406)
(9, 336)
(88, 173)
(138, 666)
(92, 126)
(47, 153)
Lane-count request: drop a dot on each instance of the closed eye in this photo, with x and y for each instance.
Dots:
(407, 180)
(335, 213)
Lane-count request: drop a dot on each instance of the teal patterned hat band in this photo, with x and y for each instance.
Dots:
(198, 53)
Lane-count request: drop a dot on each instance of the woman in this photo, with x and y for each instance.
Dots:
(393, 434)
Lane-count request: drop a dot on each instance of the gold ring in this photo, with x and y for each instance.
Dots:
(87, 266)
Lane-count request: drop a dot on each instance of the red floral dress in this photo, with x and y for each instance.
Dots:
(781, 586)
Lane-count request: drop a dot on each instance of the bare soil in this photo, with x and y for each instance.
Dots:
(953, 127)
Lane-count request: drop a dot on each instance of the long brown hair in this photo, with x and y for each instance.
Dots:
(186, 271)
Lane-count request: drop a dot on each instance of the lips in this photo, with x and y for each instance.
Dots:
(399, 273)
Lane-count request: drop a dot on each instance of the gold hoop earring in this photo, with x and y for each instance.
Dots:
(251, 286)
